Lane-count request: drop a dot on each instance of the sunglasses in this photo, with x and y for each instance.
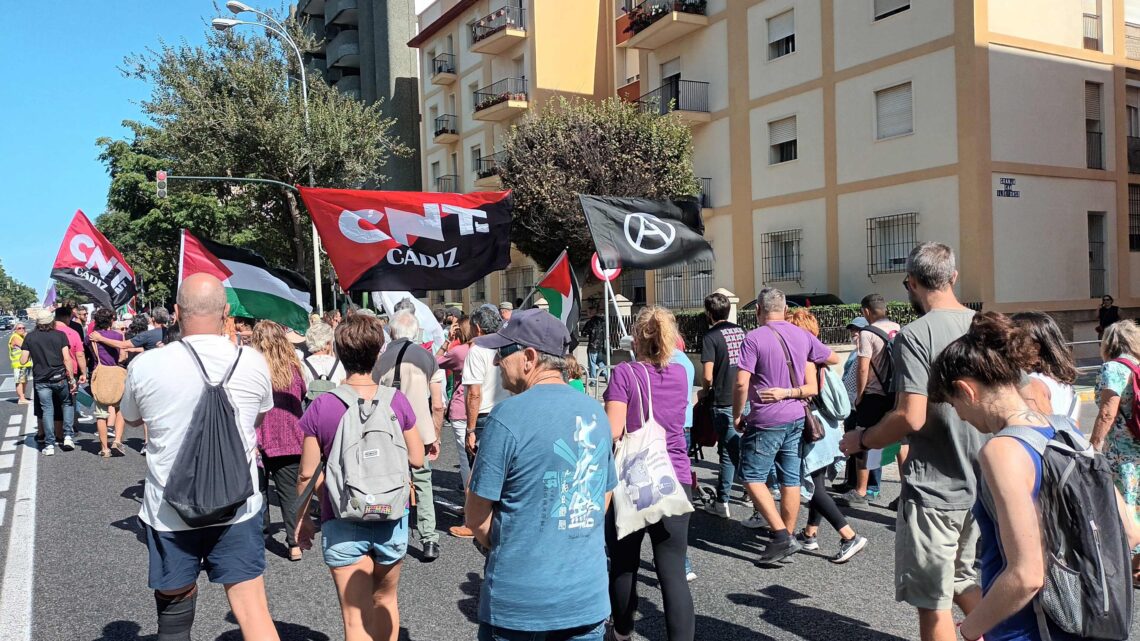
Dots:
(507, 350)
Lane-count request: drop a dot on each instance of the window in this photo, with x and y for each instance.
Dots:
(517, 283)
(1094, 134)
(476, 154)
(479, 292)
(889, 241)
(782, 140)
(1098, 274)
(894, 112)
(1134, 218)
(435, 175)
(1132, 111)
(888, 8)
(780, 255)
(472, 89)
(781, 35)
(684, 286)
(1091, 24)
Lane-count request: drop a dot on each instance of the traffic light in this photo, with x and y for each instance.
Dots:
(160, 179)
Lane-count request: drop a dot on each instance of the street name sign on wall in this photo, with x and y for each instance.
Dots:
(1007, 190)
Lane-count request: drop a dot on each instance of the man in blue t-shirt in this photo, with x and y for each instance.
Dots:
(539, 491)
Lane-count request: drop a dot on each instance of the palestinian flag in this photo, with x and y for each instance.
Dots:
(559, 286)
(254, 289)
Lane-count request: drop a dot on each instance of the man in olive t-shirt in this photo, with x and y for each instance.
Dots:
(936, 536)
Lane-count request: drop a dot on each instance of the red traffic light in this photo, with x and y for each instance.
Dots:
(160, 175)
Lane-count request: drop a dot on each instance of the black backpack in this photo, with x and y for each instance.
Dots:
(1088, 574)
(885, 372)
(210, 479)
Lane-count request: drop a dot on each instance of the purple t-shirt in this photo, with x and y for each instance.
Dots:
(108, 355)
(762, 355)
(671, 391)
(322, 420)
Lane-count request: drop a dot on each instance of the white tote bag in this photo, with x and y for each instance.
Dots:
(647, 489)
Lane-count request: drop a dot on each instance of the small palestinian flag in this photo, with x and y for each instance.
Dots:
(559, 286)
(254, 289)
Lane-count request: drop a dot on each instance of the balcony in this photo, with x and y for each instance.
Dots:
(656, 23)
(443, 69)
(1134, 155)
(1132, 40)
(311, 7)
(349, 85)
(344, 50)
(341, 12)
(499, 101)
(448, 183)
(1092, 31)
(688, 99)
(487, 172)
(630, 91)
(499, 31)
(446, 130)
(1094, 149)
(706, 193)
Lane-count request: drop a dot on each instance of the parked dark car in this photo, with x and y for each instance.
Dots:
(7, 322)
(804, 300)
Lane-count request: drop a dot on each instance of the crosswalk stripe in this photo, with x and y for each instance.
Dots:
(9, 384)
(6, 461)
(8, 445)
(12, 432)
(15, 419)
(19, 565)
(5, 482)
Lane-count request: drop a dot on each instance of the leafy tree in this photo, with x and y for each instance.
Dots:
(14, 294)
(232, 107)
(611, 148)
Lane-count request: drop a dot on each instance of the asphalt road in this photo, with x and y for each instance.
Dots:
(90, 566)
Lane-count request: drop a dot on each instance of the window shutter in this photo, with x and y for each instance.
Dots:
(781, 131)
(781, 26)
(894, 111)
(1092, 101)
(884, 7)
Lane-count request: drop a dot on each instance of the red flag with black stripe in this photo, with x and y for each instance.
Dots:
(404, 240)
(90, 263)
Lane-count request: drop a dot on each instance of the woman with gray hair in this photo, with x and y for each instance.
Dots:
(321, 362)
(1120, 349)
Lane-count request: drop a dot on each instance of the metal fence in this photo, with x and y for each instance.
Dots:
(501, 91)
(500, 19)
(677, 95)
(446, 124)
(443, 63)
(1092, 31)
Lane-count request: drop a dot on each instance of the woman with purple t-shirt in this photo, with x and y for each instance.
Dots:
(353, 548)
(654, 337)
(107, 356)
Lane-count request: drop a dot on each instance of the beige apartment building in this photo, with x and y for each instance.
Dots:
(833, 135)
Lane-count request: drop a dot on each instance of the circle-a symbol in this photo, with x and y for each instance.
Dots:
(648, 226)
(603, 275)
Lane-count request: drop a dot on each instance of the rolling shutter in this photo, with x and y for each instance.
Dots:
(894, 111)
(884, 8)
(781, 26)
(1092, 101)
(781, 131)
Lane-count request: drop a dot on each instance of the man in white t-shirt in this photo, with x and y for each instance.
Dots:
(232, 553)
(482, 383)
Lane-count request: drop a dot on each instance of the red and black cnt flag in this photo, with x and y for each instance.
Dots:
(89, 262)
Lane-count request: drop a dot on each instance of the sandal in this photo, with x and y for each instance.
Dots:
(295, 553)
(117, 449)
(105, 453)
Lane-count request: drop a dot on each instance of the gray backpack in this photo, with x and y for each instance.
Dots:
(366, 474)
(321, 383)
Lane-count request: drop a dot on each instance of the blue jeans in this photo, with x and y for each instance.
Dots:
(728, 448)
(48, 394)
(592, 632)
(595, 361)
(779, 445)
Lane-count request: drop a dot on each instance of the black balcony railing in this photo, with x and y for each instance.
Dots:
(503, 18)
(488, 166)
(1094, 149)
(644, 14)
(501, 91)
(446, 124)
(1134, 155)
(706, 193)
(448, 183)
(677, 95)
(443, 63)
(1092, 31)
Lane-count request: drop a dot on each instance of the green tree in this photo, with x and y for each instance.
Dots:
(571, 147)
(14, 294)
(233, 107)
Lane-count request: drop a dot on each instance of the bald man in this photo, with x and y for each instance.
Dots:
(163, 388)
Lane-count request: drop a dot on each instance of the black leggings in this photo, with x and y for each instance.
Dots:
(822, 506)
(283, 471)
(670, 538)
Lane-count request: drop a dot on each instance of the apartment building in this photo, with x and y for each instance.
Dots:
(485, 63)
(364, 54)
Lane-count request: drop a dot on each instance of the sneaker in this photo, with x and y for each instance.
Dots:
(852, 498)
(809, 543)
(849, 548)
(842, 488)
(777, 551)
(872, 494)
(690, 576)
(717, 508)
(49, 450)
(755, 522)
(68, 444)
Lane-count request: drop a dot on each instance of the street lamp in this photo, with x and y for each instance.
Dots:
(225, 24)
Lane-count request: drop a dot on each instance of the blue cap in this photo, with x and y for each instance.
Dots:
(536, 328)
(857, 323)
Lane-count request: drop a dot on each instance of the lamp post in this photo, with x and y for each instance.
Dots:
(224, 24)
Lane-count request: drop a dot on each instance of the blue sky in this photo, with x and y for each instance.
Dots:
(60, 90)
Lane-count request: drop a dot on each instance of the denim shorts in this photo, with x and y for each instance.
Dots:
(228, 553)
(346, 542)
(591, 632)
(760, 449)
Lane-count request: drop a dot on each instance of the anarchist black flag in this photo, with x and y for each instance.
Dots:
(639, 233)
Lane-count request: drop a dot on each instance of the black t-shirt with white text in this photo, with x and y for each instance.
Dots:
(46, 349)
(721, 347)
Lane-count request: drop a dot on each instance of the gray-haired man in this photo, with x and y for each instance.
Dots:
(936, 536)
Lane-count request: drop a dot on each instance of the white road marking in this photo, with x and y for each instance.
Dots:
(3, 508)
(6, 461)
(8, 445)
(5, 482)
(448, 504)
(16, 589)
(15, 419)
(12, 432)
(9, 384)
